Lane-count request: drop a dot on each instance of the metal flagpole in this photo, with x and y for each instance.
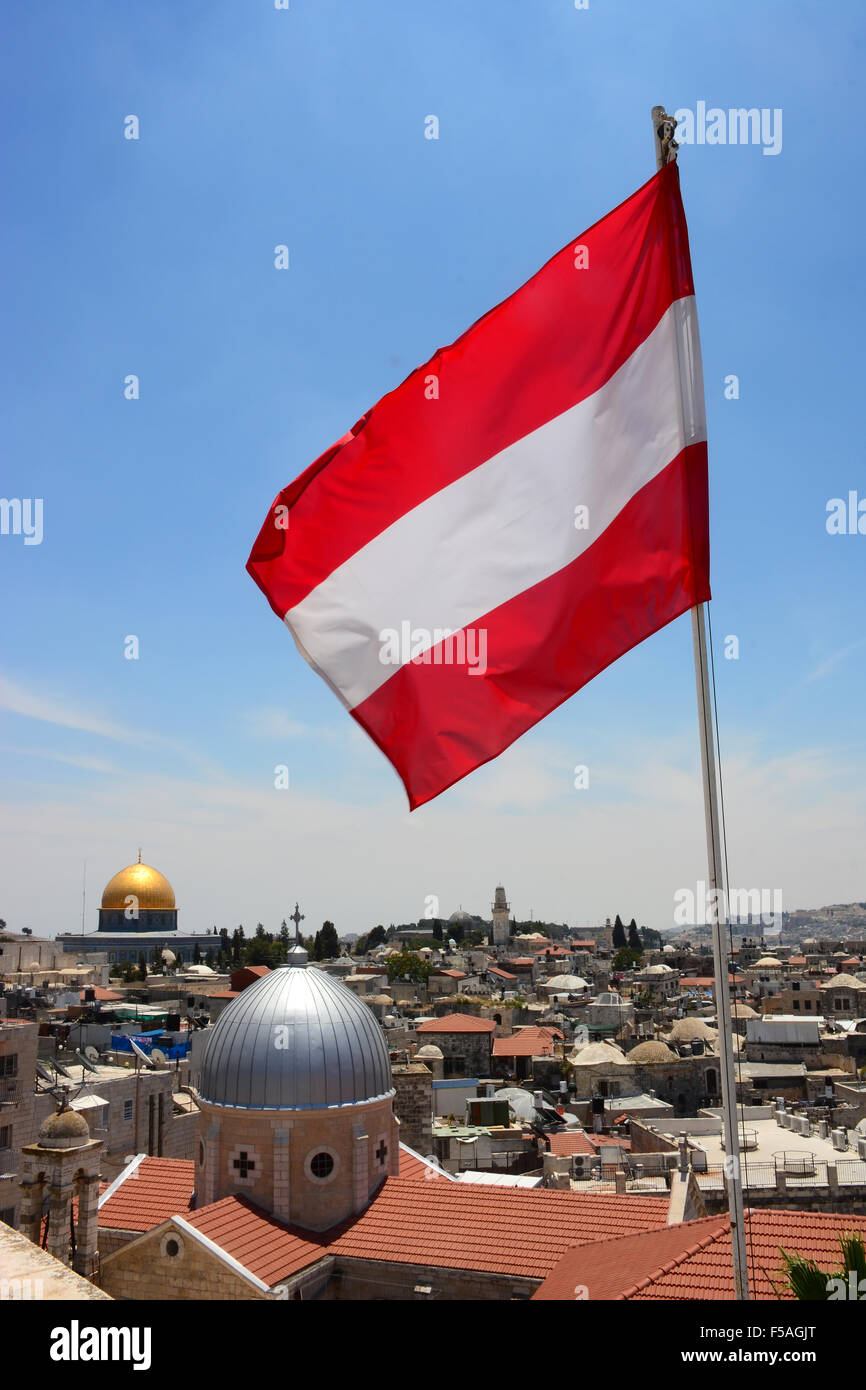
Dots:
(665, 146)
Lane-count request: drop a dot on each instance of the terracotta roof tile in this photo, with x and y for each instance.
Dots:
(693, 1260)
(261, 1243)
(512, 1231)
(563, 1145)
(519, 1046)
(155, 1190)
(457, 1023)
(413, 1166)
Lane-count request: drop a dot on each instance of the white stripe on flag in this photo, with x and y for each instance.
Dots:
(508, 524)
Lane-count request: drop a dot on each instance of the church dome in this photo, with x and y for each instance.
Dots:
(141, 881)
(64, 1129)
(295, 1040)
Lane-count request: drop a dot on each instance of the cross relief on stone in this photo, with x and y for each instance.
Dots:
(244, 1164)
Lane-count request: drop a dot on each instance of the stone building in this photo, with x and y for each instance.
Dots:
(18, 1047)
(465, 1043)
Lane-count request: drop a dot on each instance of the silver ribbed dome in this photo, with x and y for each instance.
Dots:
(333, 1052)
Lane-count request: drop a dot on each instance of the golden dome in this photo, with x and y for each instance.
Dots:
(153, 891)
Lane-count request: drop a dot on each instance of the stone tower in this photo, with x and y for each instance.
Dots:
(62, 1164)
(501, 918)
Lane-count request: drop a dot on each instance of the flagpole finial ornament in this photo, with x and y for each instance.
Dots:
(666, 145)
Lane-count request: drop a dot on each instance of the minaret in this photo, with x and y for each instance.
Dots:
(501, 918)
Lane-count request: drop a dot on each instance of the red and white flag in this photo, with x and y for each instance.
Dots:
(525, 508)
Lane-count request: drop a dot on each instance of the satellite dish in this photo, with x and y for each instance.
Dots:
(86, 1061)
(158, 1056)
(91, 1052)
(142, 1056)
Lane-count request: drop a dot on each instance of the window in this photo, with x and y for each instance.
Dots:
(6, 1137)
(7, 1214)
(9, 1064)
(127, 1109)
(321, 1165)
(172, 1248)
(796, 1004)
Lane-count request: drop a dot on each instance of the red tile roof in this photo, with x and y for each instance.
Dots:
(457, 1023)
(607, 1267)
(505, 974)
(510, 1231)
(519, 1046)
(260, 1242)
(584, 945)
(581, 1143)
(563, 1145)
(454, 974)
(413, 1166)
(597, 1140)
(103, 996)
(693, 1260)
(156, 1189)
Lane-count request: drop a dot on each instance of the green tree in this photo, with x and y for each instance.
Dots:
(619, 938)
(360, 946)
(810, 1284)
(285, 938)
(142, 965)
(626, 959)
(407, 963)
(377, 937)
(634, 940)
(327, 942)
(196, 955)
(437, 931)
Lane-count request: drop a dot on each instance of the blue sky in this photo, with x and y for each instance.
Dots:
(155, 257)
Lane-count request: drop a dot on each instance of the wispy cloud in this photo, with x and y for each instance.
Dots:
(64, 714)
(81, 760)
(831, 662)
(270, 723)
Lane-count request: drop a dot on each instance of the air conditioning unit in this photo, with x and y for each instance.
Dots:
(823, 1129)
(840, 1140)
(788, 1120)
(861, 1146)
(803, 1126)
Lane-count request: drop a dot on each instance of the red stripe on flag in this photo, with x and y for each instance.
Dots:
(437, 723)
(549, 345)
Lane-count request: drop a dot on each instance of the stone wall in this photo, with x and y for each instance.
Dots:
(363, 1280)
(145, 1270)
(413, 1105)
